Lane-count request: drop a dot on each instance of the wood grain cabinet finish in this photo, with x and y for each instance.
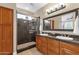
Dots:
(38, 42)
(41, 44)
(0, 16)
(7, 40)
(53, 47)
(0, 39)
(7, 15)
(69, 48)
(6, 32)
(47, 46)
(44, 46)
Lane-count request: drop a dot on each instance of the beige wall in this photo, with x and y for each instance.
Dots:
(8, 5)
(42, 13)
(57, 22)
(12, 6)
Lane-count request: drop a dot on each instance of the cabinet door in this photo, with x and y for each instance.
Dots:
(53, 47)
(44, 45)
(65, 51)
(38, 42)
(69, 48)
(0, 39)
(7, 39)
(7, 15)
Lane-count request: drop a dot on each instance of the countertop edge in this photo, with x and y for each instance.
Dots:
(53, 37)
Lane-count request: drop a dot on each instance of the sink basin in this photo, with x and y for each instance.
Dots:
(44, 34)
(64, 38)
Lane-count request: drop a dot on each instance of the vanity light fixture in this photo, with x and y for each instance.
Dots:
(56, 8)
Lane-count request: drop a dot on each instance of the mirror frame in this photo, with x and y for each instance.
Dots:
(70, 11)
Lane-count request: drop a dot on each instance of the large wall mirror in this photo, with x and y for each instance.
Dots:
(64, 22)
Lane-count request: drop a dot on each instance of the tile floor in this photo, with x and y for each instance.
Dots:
(32, 51)
(21, 46)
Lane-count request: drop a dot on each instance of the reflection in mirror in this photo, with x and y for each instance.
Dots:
(68, 21)
(62, 22)
(56, 22)
(47, 24)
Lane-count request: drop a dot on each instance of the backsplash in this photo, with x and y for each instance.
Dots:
(62, 32)
(76, 37)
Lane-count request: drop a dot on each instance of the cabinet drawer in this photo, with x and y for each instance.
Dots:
(44, 49)
(53, 51)
(69, 48)
(66, 52)
(53, 43)
(44, 40)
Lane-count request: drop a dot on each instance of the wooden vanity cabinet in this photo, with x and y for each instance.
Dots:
(69, 48)
(38, 42)
(53, 47)
(47, 45)
(6, 32)
(44, 46)
(41, 44)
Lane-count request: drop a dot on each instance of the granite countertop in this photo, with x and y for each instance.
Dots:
(75, 40)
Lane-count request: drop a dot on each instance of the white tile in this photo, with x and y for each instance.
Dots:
(21, 46)
(32, 51)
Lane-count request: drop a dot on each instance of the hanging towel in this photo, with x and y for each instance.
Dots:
(76, 25)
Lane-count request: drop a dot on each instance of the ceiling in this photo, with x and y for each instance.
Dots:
(33, 7)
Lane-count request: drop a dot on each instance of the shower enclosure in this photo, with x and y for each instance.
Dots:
(26, 32)
(23, 35)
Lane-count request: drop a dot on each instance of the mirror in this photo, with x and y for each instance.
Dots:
(47, 25)
(62, 22)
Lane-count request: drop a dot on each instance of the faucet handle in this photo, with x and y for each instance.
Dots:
(65, 35)
(68, 35)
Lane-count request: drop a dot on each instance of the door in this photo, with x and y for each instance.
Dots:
(0, 15)
(7, 40)
(7, 16)
(6, 22)
(0, 39)
(0, 31)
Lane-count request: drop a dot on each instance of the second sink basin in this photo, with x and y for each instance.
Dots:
(44, 34)
(64, 38)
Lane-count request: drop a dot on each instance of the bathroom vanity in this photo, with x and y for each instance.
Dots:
(59, 44)
(50, 45)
